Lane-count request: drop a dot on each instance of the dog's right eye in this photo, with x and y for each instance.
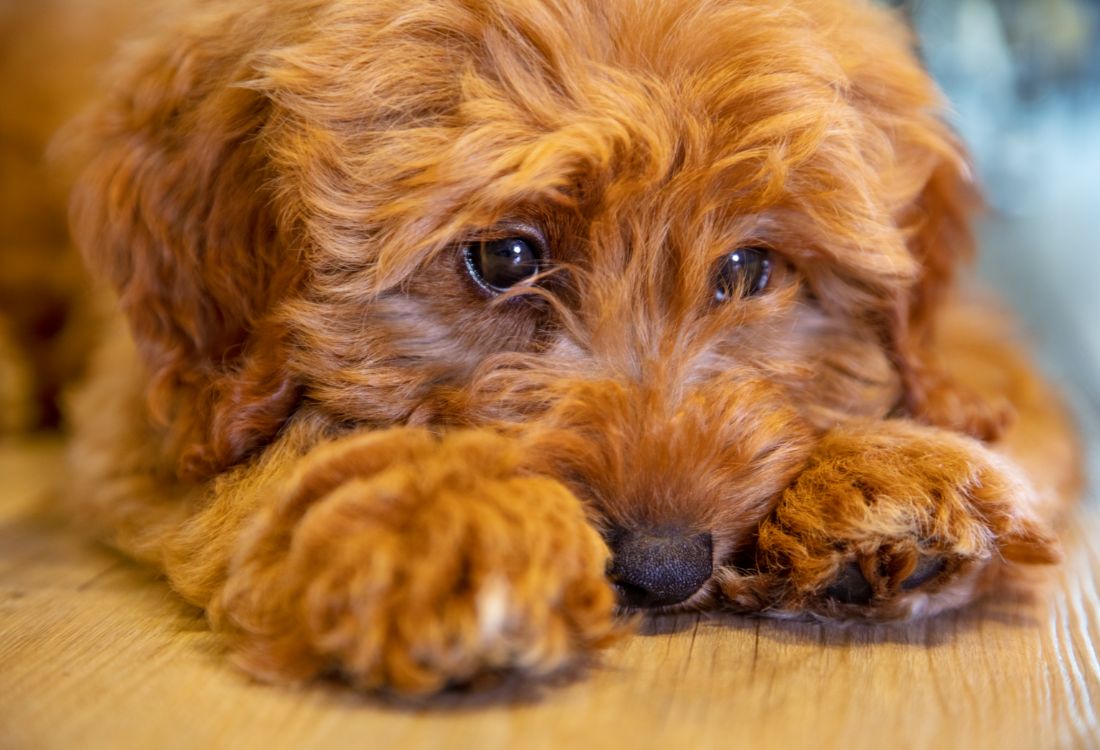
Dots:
(498, 265)
(743, 273)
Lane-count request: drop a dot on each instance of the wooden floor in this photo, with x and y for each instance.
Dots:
(96, 652)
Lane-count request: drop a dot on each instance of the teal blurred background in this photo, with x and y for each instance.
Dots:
(1024, 80)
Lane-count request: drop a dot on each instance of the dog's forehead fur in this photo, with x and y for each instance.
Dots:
(693, 121)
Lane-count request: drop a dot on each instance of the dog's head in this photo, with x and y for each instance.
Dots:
(664, 244)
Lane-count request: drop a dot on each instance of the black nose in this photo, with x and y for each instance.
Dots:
(655, 570)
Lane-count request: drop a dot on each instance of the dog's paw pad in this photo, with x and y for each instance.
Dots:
(850, 586)
(853, 587)
(928, 569)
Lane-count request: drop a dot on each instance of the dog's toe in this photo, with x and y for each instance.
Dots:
(880, 582)
(852, 587)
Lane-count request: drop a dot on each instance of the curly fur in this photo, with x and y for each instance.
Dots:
(357, 462)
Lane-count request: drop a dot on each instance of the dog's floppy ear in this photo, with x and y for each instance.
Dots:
(929, 184)
(172, 206)
(938, 227)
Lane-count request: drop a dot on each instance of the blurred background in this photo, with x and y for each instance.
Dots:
(1023, 77)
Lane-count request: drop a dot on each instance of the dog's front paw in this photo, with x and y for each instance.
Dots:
(894, 520)
(408, 563)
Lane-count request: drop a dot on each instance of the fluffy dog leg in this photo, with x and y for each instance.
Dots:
(406, 562)
(893, 520)
(395, 558)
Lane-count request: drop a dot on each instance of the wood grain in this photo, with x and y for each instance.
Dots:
(95, 652)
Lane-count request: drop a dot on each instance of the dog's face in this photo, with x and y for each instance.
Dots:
(665, 245)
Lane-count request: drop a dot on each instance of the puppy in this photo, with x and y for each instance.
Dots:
(454, 327)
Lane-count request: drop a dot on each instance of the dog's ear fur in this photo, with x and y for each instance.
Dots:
(938, 225)
(172, 206)
(932, 189)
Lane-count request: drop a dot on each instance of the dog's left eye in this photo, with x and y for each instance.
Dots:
(743, 273)
(500, 264)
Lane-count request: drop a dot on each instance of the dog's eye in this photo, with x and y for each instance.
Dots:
(500, 264)
(743, 273)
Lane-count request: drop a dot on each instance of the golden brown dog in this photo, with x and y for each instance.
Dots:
(454, 323)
